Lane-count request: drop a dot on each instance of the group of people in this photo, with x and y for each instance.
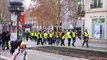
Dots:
(59, 37)
(17, 47)
(4, 39)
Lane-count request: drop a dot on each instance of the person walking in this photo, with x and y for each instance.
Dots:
(62, 39)
(3, 37)
(39, 38)
(27, 35)
(20, 53)
(73, 37)
(68, 35)
(58, 37)
(31, 35)
(50, 38)
(35, 36)
(45, 37)
(7, 39)
(85, 38)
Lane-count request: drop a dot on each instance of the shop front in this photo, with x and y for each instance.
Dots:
(98, 28)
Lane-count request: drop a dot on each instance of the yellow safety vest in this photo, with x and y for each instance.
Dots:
(68, 35)
(45, 35)
(35, 34)
(39, 36)
(50, 35)
(73, 34)
(86, 34)
(57, 35)
(63, 37)
(31, 34)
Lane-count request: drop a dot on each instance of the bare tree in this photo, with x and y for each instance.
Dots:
(51, 12)
(4, 13)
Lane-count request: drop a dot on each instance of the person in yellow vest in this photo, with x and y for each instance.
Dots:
(27, 34)
(68, 35)
(35, 36)
(45, 37)
(50, 37)
(39, 38)
(58, 36)
(86, 38)
(62, 39)
(73, 37)
(31, 35)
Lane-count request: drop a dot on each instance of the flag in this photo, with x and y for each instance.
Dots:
(23, 18)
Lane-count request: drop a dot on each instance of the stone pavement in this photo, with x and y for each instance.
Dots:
(38, 55)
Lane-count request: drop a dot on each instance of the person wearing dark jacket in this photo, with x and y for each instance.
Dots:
(7, 39)
(27, 35)
(3, 37)
(0, 38)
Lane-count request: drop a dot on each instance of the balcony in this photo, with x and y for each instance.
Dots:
(99, 5)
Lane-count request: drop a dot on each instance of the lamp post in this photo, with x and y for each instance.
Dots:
(83, 28)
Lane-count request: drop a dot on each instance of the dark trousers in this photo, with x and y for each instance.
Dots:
(31, 37)
(0, 41)
(27, 38)
(3, 45)
(69, 41)
(39, 40)
(13, 46)
(45, 40)
(50, 41)
(7, 45)
(85, 41)
(35, 38)
(62, 43)
(74, 40)
(58, 41)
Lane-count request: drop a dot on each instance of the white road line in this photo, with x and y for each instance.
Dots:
(3, 57)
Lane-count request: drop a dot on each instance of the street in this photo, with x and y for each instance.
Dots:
(39, 55)
(65, 29)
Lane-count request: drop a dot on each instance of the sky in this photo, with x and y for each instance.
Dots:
(28, 3)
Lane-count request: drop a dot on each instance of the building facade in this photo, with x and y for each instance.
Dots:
(96, 18)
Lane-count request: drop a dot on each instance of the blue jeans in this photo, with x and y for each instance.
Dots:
(45, 40)
(3, 44)
(74, 40)
(58, 41)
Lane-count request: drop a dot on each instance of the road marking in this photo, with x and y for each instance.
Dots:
(3, 57)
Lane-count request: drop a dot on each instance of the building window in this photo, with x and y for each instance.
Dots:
(96, 4)
(98, 27)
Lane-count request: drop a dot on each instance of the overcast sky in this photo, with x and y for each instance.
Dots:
(28, 3)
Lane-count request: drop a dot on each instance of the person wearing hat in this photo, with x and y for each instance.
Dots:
(20, 53)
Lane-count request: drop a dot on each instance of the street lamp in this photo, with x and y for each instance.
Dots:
(83, 26)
